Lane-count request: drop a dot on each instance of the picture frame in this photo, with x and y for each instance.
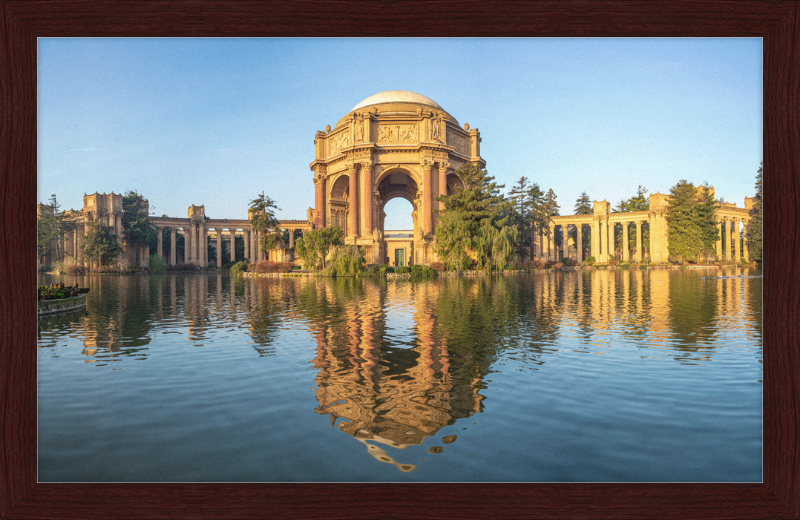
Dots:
(777, 22)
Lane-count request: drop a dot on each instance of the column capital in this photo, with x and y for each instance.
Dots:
(426, 164)
(444, 165)
(366, 165)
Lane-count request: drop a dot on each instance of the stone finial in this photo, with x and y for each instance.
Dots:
(327, 128)
(466, 126)
(419, 111)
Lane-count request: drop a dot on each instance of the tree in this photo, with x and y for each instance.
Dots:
(100, 244)
(262, 219)
(692, 222)
(136, 227)
(755, 229)
(313, 247)
(49, 229)
(550, 202)
(476, 219)
(528, 211)
(583, 206)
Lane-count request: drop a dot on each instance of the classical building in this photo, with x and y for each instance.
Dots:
(393, 144)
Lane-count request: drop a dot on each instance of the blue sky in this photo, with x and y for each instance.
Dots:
(217, 121)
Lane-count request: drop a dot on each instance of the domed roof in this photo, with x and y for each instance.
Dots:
(397, 96)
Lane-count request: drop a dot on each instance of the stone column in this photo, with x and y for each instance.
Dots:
(744, 242)
(366, 199)
(218, 232)
(291, 237)
(173, 246)
(427, 199)
(611, 248)
(319, 202)
(579, 242)
(160, 233)
(719, 240)
(233, 244)
(639, 251)
(352, 207)
(247, 244)
(727, 226)
(203, 243)
(594, 249)
(187, 244)
(625, 252)
(738, 248)
(565, 240)
(79, 244)
(603, 242)
(443, 182)
(551, 243)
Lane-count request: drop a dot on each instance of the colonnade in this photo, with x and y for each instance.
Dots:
(196, 237)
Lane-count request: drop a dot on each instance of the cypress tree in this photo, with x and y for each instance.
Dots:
(691, 220)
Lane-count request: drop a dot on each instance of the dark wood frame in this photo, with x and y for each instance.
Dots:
(777, 21)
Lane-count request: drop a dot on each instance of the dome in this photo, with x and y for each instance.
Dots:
(397, 96)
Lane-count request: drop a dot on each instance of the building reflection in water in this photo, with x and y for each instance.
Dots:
(383, 392)
(398, 361)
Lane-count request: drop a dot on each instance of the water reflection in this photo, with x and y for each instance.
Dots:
(396, 362)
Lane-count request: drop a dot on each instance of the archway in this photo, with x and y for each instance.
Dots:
(397, 245)
(338, 209)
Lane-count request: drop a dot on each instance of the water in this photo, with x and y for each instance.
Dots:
(593, 376)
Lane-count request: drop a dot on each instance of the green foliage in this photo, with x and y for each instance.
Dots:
(50, 229)
(692, 222)
(238, 268)
(755, 228)
(528, 211)
(422, 270)
(262, 218)
(551, 203)
(100, 244)
(313, 247)
(590, 261)
(136, 227)
(345, 261)
(583, 205)
(476, 219)
(380, 270)
(403, 270)
(156, 263)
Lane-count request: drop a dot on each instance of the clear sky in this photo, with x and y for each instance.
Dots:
(217, 121)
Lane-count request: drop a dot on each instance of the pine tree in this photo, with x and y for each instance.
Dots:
(262, 219)
(136, 227)
(691, 220)
(476, 218)
(100, 244)
(755, 228)
(583, 205)
(528, 211)
(639, 202)
(50, 229)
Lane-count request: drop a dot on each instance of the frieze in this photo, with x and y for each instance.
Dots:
(398, 134)
(459, 142)
(338, 142)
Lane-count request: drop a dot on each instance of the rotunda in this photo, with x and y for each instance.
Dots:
(392, 144)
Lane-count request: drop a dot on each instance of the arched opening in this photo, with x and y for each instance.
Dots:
(338, 207)
(397, 218)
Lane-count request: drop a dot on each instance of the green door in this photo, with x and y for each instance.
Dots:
(399, 257)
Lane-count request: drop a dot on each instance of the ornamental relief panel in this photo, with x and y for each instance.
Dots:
(338, 142)
(398, 134)
(459, 142)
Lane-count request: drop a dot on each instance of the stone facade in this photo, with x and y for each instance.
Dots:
(393, 144)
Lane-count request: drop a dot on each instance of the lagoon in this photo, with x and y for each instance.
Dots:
(617, 375)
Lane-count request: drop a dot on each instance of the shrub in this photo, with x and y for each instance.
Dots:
(156, 263)
(345, 261)
(534, 264)
(405, 269)
(238, 268)
(44, 268)
(378, 270)
(437, 266)
(104, 269)
(265, 266)
(612, 262)
(422, 270)
(589, 261)
(75, 269)
(227, 265)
